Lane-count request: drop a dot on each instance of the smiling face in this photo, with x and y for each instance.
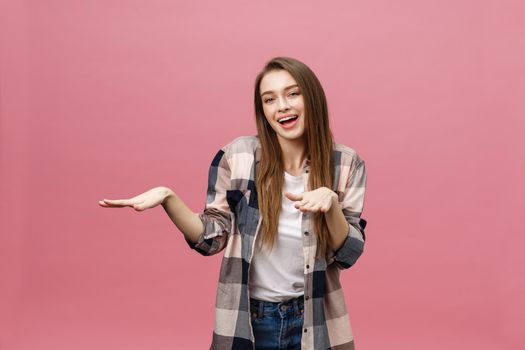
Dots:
(283, 105)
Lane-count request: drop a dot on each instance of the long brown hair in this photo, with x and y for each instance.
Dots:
(319, 146)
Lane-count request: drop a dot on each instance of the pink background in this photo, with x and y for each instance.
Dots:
(107, 99)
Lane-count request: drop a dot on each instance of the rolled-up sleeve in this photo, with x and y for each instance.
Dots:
(217, 217)
(352, 205)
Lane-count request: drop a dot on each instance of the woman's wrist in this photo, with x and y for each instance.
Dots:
(335, 202)
(168, 195)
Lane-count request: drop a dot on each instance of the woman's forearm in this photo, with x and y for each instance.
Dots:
(337, 225)
(183, 217)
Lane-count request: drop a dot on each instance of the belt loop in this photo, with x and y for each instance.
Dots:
(260, 309)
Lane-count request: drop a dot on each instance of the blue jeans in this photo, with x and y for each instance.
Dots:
(277, 325)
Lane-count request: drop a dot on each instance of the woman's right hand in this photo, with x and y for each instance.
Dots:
(143, 201)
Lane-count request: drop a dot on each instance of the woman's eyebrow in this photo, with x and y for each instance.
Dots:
(286, 88)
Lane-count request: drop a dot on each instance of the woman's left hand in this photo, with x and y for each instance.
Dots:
(318, 200)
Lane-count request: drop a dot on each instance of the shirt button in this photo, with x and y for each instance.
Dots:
(306, 297)
(307, 266)
(306, 233)
(305, 330)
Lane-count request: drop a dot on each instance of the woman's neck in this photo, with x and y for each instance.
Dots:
(294, 155)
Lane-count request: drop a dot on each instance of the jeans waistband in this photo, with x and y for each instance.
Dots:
(260, 305)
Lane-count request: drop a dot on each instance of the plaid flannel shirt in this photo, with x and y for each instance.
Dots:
(231, 222)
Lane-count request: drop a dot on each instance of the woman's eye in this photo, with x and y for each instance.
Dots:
(267, 100)
(295, 93)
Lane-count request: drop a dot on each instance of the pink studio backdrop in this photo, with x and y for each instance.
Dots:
(107, 99)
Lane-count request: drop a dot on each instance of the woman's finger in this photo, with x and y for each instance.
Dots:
(309, 207)
(306, 201)
(293, 196)
(120, 202)
(312, 208)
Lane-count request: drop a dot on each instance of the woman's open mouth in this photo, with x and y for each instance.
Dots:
(288, 122)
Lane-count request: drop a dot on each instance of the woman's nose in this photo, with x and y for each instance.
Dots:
(283, 104)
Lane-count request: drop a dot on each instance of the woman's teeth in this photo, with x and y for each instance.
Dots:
(287, 119)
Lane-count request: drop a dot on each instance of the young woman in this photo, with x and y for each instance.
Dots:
(285, 206)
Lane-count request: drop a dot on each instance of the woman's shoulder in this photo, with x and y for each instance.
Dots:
(347, 154)
(242, 144)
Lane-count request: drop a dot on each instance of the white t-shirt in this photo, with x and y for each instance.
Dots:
(279, 275)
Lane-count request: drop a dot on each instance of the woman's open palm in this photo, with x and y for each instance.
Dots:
(143, 201)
